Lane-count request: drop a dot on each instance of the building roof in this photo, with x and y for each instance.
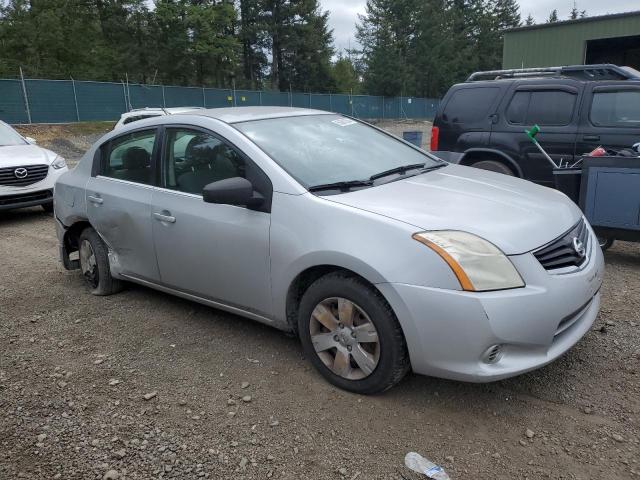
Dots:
(577, 20)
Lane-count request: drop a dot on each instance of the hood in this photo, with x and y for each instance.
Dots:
(21, 155)
(515, 215)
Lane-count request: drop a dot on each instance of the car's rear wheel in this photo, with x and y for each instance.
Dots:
(94, 264)
(494, 166)
(351, 335)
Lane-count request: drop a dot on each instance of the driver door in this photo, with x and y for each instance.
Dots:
(218, 252)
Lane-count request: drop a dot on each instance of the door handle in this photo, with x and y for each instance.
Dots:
(164, 218)
(591, 138)
(96, 200)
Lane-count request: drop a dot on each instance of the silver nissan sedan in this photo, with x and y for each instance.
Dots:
(379, 256)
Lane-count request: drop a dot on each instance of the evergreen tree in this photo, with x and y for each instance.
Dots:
(529, 21)
(553, 16)
(345, 76)
(253, 37)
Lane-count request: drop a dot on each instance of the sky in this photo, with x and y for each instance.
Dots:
(344, 13)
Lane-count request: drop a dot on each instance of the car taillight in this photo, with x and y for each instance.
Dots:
(435, 134)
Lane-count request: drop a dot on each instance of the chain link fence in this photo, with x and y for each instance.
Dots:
(66, 101)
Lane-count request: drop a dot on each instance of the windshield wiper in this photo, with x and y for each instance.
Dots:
(402, 169)
(343, 186)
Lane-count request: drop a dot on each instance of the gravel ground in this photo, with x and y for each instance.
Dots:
(143, 385)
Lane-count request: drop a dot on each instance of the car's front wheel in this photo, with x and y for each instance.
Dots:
(94, 264)
(351, 335)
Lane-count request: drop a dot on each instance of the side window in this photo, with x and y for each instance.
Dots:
(544, 107)
(549, 107)
(470, 105)
(517, 109)
(195, 159)
(616, 109)
(129, 157)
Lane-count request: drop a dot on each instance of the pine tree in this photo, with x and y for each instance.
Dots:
(345, 76)
(253, 36)
(529, 21)
(301, 45)
(553, 16)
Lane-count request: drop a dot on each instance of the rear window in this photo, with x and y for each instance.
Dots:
(616, 109)
(544, 107)
(470, 105)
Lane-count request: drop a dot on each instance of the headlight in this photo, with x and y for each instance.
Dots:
(478, 264)
(59, 163)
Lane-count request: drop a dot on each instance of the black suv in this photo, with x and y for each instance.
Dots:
(578, 108)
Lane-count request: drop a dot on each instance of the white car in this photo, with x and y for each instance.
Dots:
(27, 172)
(142, 113)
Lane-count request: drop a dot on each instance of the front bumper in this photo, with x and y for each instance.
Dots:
(448, 332)
(39, 193)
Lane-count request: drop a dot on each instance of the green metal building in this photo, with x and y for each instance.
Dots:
(605, 39)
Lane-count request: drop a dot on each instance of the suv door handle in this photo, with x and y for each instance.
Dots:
(591, 138)
(164, 218)
(96, 200)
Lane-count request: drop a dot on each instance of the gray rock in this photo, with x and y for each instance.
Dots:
(529, 433)
(150, 395)
(111, 475)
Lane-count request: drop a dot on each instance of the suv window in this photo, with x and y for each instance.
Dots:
(195, 159)
(544, 107)
(129, 157)
(138, 117)
(470, 105)
(616, 109)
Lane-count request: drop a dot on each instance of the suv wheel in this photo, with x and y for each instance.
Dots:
(605, 242)
(94, 264)
(494, 166)
(351, 335)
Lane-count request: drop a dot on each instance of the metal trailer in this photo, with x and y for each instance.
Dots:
(607, 189)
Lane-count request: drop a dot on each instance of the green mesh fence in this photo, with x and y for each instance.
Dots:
(64, 101)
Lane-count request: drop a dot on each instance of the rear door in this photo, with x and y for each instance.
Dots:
(610, 117)
(119, 201)
(555, 109)
(466, 118)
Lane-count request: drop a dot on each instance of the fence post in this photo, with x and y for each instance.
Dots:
(164, 103)
(75, 98)
(383, 106)
(124, 96)
(330, 103)
(204, 99)
(234, 93)
(260, 97)
(26, 97)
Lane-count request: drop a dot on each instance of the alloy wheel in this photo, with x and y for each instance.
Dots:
(344, 338)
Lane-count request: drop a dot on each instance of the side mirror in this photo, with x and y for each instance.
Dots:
(232, 191)
(31, 140)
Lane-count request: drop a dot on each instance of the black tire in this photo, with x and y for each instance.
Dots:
(494, 166)
(48, 207)
(393, 362)
(97, 274)
(605, 242)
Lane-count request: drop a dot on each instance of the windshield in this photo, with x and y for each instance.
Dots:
(325, 149)
(8, 136)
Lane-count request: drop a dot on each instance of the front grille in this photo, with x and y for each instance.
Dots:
(21, 198)
(26, 175)
(565, 251)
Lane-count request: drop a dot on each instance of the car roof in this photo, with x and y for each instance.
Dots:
(245, 114)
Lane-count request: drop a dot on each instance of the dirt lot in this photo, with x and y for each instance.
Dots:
(74, 370)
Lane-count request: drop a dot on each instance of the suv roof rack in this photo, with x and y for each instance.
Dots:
(604, 71)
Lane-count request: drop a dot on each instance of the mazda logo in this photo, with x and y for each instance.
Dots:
(21, 172)
(578, 246)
